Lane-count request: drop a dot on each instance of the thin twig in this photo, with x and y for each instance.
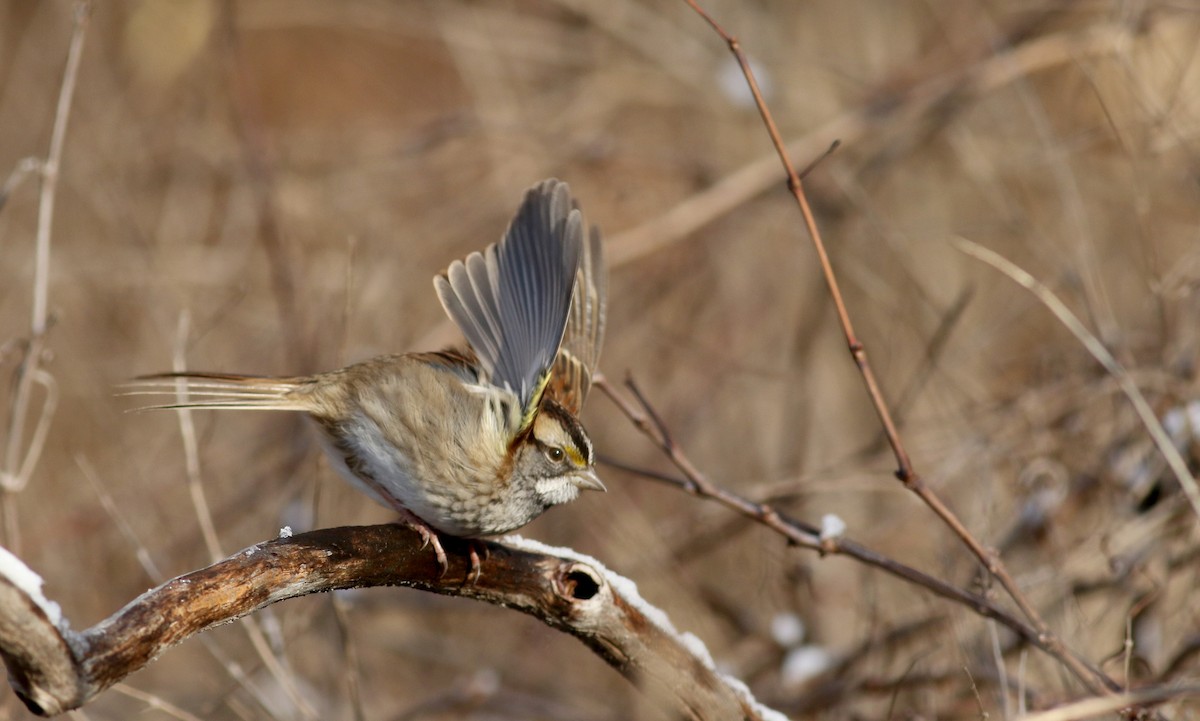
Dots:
(1001, 670)
(267, 702)
(191, 449)
(58, 135)
(145, 560)
(1118, 703)
(351, 672)
(1094, 680)
(808, 536)
(154, 702)
(187, 431)
(16, 470)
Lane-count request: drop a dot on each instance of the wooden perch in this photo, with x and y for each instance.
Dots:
(54, 669)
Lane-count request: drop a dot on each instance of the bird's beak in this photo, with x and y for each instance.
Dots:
(588, 481)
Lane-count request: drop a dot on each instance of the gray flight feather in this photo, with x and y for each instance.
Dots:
(511, 301)
(579, 352)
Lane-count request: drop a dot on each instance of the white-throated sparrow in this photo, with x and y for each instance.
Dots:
(471, 443)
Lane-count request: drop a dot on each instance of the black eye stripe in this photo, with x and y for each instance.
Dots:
(572, 426)
(545, 447)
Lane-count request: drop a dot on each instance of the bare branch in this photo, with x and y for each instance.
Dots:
(807, 535)
(54, 669)
(1094, 680)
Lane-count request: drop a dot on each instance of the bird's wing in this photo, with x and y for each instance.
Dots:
(579, 352)
(511, 301)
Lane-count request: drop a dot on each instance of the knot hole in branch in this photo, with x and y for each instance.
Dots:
(580, 583)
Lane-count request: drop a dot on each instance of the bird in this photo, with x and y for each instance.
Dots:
(472, 442)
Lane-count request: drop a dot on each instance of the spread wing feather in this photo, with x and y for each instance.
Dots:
(579, 353)
(511, 301)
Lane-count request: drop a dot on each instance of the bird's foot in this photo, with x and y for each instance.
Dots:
(429, 536)
(474, 546)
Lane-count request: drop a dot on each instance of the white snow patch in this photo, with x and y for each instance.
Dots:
(1183, 424)
(697, 648)
(801, 664)
(29, 583)
(787, 629)
(766, 713)
(624, 586)
(285, 532)
(628, 591)
(832, 527)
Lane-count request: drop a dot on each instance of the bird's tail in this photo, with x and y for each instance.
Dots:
(219, 391)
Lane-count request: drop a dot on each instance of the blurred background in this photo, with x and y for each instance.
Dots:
(268, 187)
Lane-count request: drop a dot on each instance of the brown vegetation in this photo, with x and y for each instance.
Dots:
(268, 187)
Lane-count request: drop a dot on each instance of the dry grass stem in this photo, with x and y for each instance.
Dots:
(1129, 387)
(19, 463)
(154, 702)
(187, 431)
(1122, 704)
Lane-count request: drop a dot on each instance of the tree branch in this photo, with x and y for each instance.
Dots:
(54, 669)
(1089, 675)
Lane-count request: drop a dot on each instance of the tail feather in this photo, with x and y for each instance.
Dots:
(218, 391)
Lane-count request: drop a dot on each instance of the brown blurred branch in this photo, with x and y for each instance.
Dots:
(1162, 440)
(1091, 677)
(245, 101)
(896, 106)
(54, 670)
(806, 535)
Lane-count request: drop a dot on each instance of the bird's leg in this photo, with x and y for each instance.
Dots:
(429, 536)
(474, 547)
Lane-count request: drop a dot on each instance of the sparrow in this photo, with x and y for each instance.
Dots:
(474, 442)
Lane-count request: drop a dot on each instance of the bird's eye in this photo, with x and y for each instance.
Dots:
(555, 454)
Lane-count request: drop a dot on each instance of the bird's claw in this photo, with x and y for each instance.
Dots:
(429, 537)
